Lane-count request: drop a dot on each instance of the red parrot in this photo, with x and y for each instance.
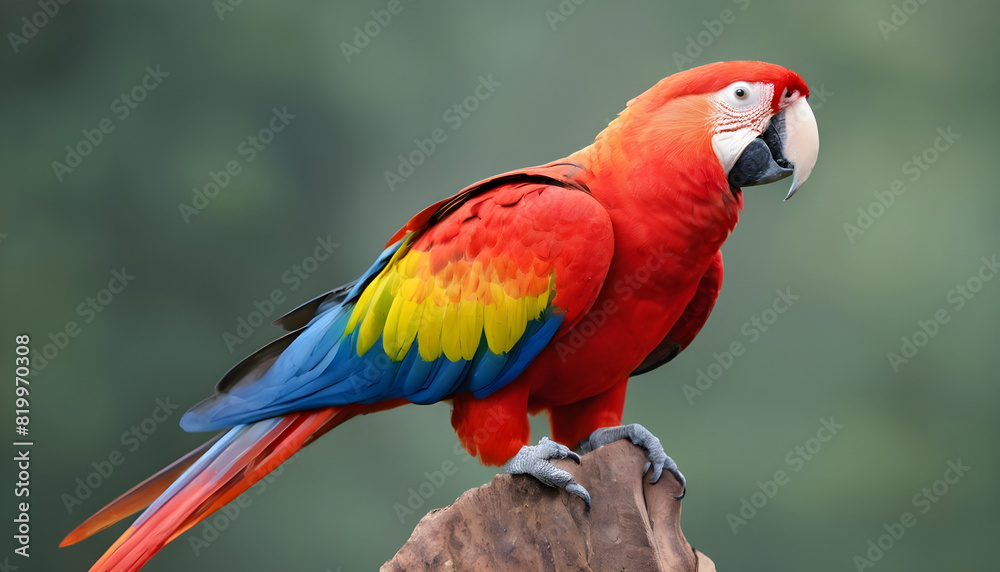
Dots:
(542, 289)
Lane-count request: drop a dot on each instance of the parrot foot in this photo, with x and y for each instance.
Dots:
(534, 461)
(641, 437)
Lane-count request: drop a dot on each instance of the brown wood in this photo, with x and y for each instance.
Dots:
(517, 523)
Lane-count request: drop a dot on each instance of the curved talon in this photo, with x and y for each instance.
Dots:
(672, 467)
(534, 461)
(581, 492)
(641, 437)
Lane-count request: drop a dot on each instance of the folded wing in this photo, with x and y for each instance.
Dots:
(471, 291)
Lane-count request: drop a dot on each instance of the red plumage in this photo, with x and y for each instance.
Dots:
(628, 232)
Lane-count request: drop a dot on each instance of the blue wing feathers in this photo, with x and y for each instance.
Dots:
(321, 368)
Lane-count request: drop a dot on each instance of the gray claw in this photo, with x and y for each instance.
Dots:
(579, 491)
(534, 461)
(640, 436)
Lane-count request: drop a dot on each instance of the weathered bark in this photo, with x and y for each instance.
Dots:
(517, 523)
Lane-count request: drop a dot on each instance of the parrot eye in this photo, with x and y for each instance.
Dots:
(740, 95)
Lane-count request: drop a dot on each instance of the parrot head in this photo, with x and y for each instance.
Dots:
(749, 122)
(765, 129)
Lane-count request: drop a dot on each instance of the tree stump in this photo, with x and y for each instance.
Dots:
(517, 523)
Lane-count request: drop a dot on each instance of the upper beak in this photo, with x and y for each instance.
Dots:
(789, 146)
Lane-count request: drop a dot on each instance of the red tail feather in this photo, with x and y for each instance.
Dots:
(204, 480)
(136, 498)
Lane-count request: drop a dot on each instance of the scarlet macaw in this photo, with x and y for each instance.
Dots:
(477, 299)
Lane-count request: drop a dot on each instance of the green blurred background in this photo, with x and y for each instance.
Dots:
(879, 101)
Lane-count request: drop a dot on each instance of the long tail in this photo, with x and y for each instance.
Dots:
(194, 487)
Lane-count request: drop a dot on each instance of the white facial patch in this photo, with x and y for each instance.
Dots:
(744, 111)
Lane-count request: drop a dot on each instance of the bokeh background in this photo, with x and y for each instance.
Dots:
(880, 93)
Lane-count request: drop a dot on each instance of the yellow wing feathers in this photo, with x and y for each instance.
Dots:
(448, 311)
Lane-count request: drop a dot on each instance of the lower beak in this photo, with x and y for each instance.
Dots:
(788, 147)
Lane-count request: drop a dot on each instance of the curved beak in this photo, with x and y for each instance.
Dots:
(788, 147)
